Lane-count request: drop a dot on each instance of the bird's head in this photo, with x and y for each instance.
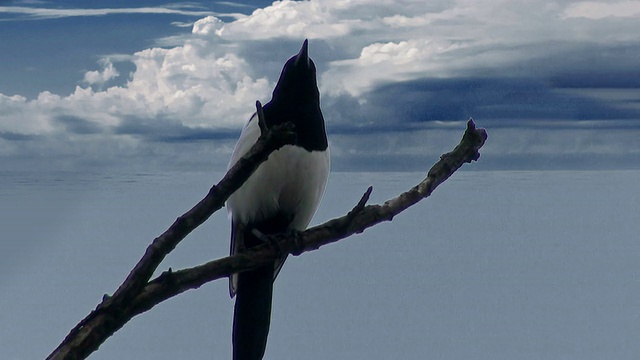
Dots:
(298, 78)
(296, 99)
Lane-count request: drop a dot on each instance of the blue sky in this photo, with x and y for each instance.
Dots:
(162, 85)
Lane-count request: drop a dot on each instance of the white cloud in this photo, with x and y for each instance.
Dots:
(53, 13)
(395, 53)
(182, 24)
(100, 77)
(190, 84)
(208, 25)
(194, 85)
(598, 10)
(390, 61)
(296, 19)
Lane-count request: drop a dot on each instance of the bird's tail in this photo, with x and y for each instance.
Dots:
(252, 313)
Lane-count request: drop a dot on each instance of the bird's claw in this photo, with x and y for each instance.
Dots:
(269, 239)
(274, 241)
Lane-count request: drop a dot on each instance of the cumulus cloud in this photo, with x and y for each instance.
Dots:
(288, 18)
(195, 84)
(387, 62)
(189, 83)
(100, 77)
(208, 25)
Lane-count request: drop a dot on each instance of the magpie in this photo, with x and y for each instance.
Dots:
(280, 196)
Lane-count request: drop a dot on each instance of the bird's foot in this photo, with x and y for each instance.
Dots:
(269, 239)
(274, 241)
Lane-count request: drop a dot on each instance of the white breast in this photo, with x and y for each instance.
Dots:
(292, 180)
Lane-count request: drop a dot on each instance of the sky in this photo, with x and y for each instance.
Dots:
(156, 85)
(133, 86)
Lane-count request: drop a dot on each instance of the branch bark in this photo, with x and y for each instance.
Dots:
(137, 294)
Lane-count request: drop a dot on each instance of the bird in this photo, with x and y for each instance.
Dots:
(282, 195)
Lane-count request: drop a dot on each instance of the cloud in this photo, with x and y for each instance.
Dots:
(100, 77)
(470, 38)
(401, 75)
(312, 19)
(385, 62)
(195, 83)
(78, 126)
(182, 24)
(10, 136)
(598, 10)
(56, 13)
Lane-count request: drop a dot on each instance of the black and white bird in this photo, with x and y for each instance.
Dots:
(281, 195)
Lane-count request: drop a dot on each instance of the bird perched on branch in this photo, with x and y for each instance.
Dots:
(280, 196)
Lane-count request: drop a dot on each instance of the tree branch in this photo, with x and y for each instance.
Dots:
(107, 318)
(144, 294)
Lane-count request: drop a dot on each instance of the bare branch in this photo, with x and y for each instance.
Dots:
(334, 230)
(107, 317)
(111, 315)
